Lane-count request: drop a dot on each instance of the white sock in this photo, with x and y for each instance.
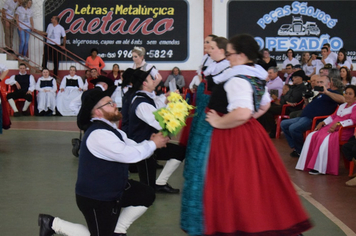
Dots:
(13, 105)
(169, 168)
(127, 216)
(26, 105)
(68, 228)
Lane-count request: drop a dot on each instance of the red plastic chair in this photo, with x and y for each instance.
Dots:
(284, 116)
(350, 165)
(31, 107)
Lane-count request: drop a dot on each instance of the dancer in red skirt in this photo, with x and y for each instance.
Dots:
(247, 189)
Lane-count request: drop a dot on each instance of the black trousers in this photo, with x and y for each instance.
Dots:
(102, 216)
(53, 55)
(19, 94)
(349, 149)
(147, 168)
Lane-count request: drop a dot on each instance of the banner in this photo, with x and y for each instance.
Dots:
(301, 26)
(115, 27)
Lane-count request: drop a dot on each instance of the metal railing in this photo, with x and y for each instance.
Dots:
(36, 44)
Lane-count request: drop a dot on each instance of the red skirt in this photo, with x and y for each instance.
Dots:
(247, 188)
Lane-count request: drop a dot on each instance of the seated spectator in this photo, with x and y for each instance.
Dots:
(342, 61)
(46, 96)
(115, 73)
(348, 58)
(346, 78)
(293, 96)
(24, 86)
(94, 61)
(349, 151)
(71, 87)
(320, 153)
(266, 62)
(93, 75)
(325, 70)
(324, 104)
(24, 19)
(325, 60)
(159, 89)
(86, 76)
(274, 82)
(288, 74)
(307, 65)
(290, 60)
(177, 75)
(331, 57)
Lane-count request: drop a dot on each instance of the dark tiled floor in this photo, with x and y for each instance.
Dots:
(38, 173)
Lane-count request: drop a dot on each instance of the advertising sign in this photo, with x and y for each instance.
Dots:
(301, 26)
(115, 27)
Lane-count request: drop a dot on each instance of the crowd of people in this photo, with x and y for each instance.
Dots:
(238, 92)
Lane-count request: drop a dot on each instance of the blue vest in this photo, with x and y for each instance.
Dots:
(138, 129)
(97, 178)
(24, 81)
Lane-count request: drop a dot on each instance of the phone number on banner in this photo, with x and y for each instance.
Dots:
(149, 54)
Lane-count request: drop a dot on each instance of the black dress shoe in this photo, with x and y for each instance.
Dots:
(294, 154)
(76, 146)
(166, 189)
(119, 234)
(45, 223)
(17, 114)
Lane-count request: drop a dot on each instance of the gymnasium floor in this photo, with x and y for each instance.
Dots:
(38, 174)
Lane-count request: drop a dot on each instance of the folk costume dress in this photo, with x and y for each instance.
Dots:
(246, 189)
(321, 150)
(199, 133)
(46, 100)
(202, 98)
(71, 86)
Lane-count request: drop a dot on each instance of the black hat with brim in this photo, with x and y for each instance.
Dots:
(91, 98)
(104, 79)
(138, 76)
(126, 76)
(299, 73)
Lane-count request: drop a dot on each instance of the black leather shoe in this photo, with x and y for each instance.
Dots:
(117, 234)
(17, 114)
(166, 189)
(45, 223)
(76, 146)
(294, 154)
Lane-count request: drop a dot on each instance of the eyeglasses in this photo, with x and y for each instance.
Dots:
(111, 103)
(227, 54)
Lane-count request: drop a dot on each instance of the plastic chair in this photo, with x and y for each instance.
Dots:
(31, 107)
(284, 116)
(350, 165)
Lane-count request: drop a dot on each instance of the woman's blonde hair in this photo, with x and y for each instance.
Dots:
(141, 51)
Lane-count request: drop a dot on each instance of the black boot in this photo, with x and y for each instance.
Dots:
(45, 223)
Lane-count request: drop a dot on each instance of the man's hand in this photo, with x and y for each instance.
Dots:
(62, 90)
(159, 140)
(18, 86)
(29, 92)
(292, 104)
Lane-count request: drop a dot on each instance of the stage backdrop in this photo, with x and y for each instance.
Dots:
(115, 27)
(301, 26)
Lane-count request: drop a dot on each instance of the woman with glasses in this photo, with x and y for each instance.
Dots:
(247, 190)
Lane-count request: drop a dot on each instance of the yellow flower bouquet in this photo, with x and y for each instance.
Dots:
(172, 117)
